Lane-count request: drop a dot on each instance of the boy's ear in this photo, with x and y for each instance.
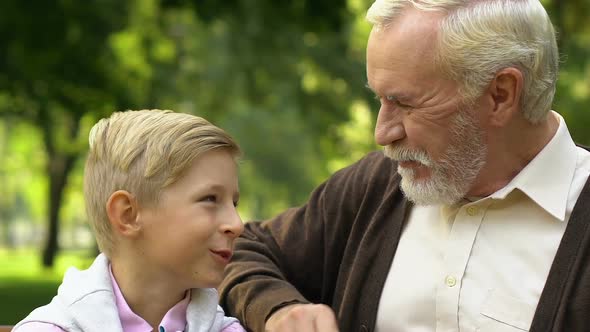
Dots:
(505, 91)
(122, 210)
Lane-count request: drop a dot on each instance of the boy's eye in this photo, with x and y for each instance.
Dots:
(210, 198)
(236, 203)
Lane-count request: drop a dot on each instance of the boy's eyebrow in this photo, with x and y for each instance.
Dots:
(219, 187)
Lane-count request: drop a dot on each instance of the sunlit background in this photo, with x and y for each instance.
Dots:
(285, 78)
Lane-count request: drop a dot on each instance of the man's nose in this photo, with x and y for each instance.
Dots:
(389, 127)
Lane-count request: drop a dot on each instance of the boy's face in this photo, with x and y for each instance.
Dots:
(187, 239)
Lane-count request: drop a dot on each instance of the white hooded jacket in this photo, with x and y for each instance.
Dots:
(85, 302)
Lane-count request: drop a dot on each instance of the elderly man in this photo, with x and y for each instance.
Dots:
(474, 218)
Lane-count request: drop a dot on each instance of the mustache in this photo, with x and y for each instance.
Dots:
(403, 153)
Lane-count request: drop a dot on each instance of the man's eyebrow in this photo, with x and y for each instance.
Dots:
(396, 95)
(371, 89)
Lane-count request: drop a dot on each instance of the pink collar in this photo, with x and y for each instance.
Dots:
(173, 321)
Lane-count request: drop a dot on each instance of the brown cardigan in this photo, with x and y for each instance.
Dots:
(337, 249)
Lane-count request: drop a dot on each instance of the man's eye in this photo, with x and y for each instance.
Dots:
(391, 99)
(394, 100)
(402, 105)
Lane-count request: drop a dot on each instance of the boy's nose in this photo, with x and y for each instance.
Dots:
(233, 225)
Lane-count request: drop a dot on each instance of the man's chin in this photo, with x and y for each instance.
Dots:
(413, 164)
(425, 192)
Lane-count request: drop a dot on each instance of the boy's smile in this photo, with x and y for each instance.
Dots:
(223, 255)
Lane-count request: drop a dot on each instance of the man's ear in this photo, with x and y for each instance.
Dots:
(122, 210)
(505, 92)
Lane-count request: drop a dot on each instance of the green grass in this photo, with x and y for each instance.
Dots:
(25, 285)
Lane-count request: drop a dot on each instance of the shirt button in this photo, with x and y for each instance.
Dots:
(450, 281)
(472, 210)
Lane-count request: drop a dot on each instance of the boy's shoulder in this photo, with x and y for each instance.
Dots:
(84, 300)
(205, 314)
(51, 313)
(79, 286)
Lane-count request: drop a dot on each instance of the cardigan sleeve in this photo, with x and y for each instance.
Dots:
(295, 257)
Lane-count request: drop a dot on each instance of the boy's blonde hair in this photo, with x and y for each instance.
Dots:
(143, 152)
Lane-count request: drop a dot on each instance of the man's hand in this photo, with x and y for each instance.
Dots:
(302, 317)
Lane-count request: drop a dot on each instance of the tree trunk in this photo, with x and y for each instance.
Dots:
(59, 168)
(5, 221)
(59, 165)
(5, 206)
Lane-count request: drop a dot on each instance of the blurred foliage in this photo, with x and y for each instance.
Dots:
(573, 93)
(281, 77)
(286, 78)
(24, 285)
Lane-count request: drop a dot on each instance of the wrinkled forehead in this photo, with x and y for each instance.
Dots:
(414, 33)
(405, 46)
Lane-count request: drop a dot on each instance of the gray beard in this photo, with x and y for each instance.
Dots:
(453, 175)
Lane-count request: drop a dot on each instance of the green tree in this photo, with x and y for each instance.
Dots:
(285, 78)
(573, 91)
(55, 69)
(281, 77)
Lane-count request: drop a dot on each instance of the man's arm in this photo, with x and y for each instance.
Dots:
(302, 317)
(271, 265)
(295, 258)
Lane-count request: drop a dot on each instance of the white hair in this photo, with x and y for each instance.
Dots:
(480, 37)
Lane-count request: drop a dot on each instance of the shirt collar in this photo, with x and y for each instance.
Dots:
(547, 178)
(175, 318)
(173, 321)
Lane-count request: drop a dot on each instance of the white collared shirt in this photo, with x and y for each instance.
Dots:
(481, 266)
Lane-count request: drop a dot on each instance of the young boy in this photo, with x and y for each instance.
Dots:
(161, 191)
